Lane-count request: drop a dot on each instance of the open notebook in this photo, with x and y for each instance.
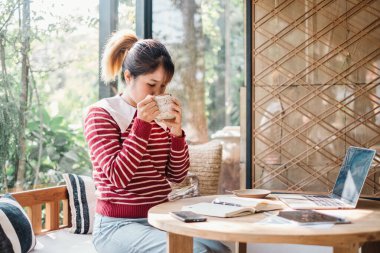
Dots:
(226, 206)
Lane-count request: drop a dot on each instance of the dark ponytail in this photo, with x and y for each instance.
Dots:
(114, 53)
(125, 52)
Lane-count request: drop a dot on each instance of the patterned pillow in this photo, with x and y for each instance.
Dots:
(16, 231)
(82, 202)
(205, 163)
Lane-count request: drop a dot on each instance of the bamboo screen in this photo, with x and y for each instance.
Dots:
(316, 67)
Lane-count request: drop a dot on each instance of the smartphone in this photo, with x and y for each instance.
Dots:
(188, 216)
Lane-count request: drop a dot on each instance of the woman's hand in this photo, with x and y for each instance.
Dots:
(147, 109)
(175, 125)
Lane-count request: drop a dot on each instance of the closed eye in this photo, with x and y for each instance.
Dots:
(151, 84)
(162, 88)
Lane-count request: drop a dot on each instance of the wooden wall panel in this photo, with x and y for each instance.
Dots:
(316, 67)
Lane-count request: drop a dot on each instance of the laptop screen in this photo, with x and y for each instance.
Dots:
(353, 173)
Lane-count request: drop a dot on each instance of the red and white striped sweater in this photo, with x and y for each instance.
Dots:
(131, 168)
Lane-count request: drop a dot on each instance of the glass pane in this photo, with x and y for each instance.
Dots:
(61, 59)
(206, 41)
(127, 14)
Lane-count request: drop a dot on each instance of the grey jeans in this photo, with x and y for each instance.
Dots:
(121, 235)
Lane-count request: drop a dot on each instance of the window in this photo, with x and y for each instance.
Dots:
(56, 46)
(206, 41)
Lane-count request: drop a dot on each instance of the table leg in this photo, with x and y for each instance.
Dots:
(241, 247)
(371, 247)
(179, 243)
(353, 248)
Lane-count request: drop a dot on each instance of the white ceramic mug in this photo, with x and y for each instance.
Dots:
(164, 103)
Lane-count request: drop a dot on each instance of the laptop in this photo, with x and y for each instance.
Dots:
(347, 188)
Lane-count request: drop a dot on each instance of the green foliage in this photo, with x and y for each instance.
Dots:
(222, 40)
(223, 105)
(213, 27)
(63, 148)
(62, 81)
(9, 86)
(8, 138)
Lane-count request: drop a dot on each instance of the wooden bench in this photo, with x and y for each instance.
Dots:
(50, 214)
(55, 200)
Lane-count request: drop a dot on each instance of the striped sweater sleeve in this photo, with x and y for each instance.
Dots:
(118, 161)
(179, 162)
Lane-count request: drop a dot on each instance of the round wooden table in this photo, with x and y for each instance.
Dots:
(347, 238)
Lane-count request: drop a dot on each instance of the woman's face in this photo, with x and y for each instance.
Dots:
(149, 84)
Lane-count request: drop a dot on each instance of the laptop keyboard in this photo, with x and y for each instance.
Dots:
(322, 200)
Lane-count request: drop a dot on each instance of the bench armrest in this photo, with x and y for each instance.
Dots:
(54, 200)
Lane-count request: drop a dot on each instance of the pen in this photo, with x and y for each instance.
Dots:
(225, 203)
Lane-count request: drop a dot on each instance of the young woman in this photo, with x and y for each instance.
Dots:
(133, 155)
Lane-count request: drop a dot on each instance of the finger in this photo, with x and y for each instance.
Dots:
(176, 101)
(151, 105)
(169, 122)
(154, 111)
(155, 114)
(176, 108)
(148, 99)
(147, 107)
(177, 116)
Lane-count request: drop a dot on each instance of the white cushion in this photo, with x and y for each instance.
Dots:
(62, 241)
(82, 201)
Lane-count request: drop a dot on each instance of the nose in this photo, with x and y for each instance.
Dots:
(156, 93)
